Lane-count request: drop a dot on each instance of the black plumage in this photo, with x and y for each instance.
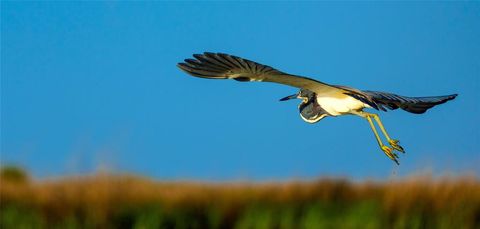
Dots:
(416, 105)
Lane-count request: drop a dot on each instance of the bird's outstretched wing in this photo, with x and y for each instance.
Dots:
(416, 105)
(224, 66)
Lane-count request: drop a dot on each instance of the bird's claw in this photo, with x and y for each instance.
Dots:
(395, 145)
(389, 152)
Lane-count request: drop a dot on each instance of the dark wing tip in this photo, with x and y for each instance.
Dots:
(203, 66)
(447, 98)
(181, 65)
(186, 68)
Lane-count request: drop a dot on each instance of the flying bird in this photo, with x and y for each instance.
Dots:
(319, 99)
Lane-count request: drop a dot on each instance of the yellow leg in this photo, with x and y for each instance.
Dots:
(387, 150)
(374, 131)
(392, 142)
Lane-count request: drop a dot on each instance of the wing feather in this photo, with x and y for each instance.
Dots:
(224, 66)
(416, 105)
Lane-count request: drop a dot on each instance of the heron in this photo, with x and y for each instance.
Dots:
(318, 99)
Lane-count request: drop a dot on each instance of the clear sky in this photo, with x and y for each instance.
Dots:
(95, 85)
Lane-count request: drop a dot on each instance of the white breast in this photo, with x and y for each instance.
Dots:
(340, 105)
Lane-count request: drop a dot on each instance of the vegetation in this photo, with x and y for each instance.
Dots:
(13, 174)
(119, 201)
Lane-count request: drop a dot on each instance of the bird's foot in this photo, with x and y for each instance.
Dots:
(395, 145)
(389, 152)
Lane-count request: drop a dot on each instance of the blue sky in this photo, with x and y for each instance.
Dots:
(92, 85)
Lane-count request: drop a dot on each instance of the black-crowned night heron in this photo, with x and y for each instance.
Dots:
(319, 100)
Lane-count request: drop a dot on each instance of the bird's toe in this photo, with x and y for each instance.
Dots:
(390, 154)
(396, 146)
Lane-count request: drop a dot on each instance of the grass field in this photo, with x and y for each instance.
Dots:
(122, 201)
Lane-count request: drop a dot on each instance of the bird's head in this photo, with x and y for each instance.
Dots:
(310, 110)
(303, 94)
